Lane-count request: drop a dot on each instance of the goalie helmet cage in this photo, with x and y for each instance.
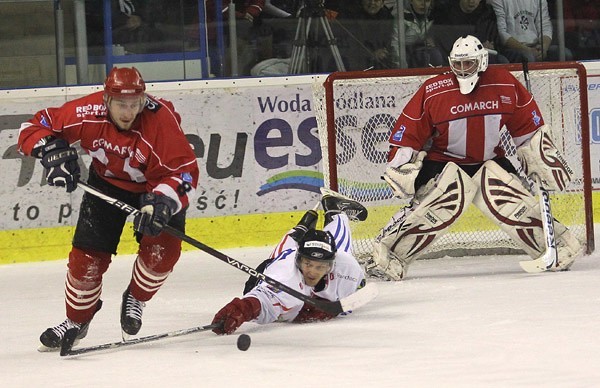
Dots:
(355, 112)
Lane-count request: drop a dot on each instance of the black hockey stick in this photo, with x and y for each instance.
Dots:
(68, 340)
(549, 258)
(351, 302)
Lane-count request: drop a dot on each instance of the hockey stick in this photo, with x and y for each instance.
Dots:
(351, 302)
(549, 258)
(66, 348)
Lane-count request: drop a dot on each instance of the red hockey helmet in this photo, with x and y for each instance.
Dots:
(124, 82)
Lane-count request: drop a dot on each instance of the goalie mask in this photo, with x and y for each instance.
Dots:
(315, 255)
(468, 59)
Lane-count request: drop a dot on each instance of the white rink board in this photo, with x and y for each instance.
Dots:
(255, 140)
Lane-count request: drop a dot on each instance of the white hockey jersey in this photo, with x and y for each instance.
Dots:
(344, 279)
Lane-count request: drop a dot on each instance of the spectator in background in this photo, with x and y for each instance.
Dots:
(279, 27)
(582, 28)
(125, 18)
(138, 26)
(368, 26)
(421, 50)
(467, 17)
(248, 21)
(280, 8)
(525, 30)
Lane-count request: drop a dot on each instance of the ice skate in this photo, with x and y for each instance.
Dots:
(131, 314)
(51, 338)
(336, 203)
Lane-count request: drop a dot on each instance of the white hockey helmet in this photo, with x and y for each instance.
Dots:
(468, 59)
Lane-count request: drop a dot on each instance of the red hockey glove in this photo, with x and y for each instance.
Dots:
(309, 313)
(60, 161)
(155, 212)
(235, 313)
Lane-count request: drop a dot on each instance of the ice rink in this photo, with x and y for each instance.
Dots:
(468, 322)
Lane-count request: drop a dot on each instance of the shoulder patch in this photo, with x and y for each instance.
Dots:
(151, 104)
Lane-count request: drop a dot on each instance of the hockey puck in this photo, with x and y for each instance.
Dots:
(243, 342)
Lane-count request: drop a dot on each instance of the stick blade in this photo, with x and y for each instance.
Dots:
(533, 266)
(546, 262)
(360, 297)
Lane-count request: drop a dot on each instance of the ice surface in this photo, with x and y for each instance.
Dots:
(467, 322)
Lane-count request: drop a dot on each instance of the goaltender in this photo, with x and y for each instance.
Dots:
(445, 153)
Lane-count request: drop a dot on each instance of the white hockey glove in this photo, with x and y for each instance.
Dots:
(539, 156)
(402, 171)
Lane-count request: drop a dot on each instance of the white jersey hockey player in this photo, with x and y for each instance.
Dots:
(317, 263)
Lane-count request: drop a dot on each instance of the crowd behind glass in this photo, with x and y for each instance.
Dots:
(280, 37)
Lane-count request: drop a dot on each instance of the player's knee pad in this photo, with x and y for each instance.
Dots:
(412, 231)
(160, 253)
(83, 285)
(86, 267)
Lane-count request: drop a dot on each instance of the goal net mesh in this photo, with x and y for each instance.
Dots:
(360, 115)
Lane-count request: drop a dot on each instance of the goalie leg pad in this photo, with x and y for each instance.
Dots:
(539, 156)
(413, 230)
(503, 198)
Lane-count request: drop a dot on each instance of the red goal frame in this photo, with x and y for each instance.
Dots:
(583, 97)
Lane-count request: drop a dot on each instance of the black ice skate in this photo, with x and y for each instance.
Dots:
(51, 338)
(131, 314)
(336, 203)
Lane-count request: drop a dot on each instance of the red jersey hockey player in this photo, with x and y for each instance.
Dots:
(445, 153)
(317, 263)
(141, 156)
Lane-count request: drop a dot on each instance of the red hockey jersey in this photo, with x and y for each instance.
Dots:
(465, 129)
(154, 155)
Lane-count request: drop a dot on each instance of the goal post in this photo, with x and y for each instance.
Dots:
(356, 111)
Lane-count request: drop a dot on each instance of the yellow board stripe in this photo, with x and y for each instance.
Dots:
(43, 244)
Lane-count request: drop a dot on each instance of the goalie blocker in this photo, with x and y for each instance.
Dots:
(494, 188)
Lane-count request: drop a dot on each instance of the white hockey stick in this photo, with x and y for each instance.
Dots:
(549, 258)
(358, 299)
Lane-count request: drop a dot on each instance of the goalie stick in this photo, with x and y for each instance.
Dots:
(549, 259)
(66, 348)
(351, 302)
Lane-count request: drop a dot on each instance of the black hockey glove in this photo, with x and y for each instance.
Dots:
(155, 212)
(60, 161)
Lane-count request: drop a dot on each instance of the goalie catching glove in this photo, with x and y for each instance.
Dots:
(540, 157)
(60, 161)
(402, 169)
(155, 212)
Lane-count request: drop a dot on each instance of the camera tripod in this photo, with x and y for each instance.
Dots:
(304, 39)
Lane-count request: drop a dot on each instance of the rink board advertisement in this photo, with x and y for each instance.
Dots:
(594, 113)
(257, 149)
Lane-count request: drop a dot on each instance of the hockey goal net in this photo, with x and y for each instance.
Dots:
(356, 111)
